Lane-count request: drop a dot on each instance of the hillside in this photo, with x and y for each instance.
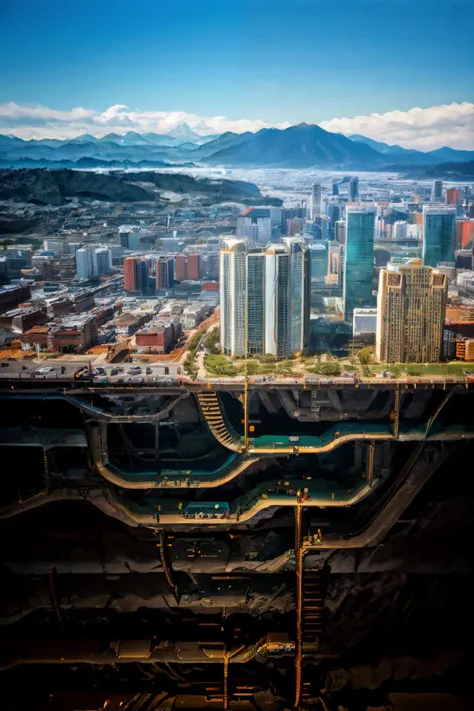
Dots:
(54, 187)
(85, 162)
(444, 171)
(211, 190)
(186, 184)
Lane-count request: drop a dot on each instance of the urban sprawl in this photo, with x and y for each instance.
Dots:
(360, 278)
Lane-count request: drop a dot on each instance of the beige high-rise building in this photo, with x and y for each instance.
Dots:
(411, 310)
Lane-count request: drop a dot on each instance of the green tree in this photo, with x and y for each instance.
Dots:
(283, 372)
(267, 358)
(189, 365)
(252, 368)
(365, 356)
(332, 368)
(212, 341)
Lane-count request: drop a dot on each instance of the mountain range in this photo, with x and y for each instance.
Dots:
(405, 155)
(301, 146)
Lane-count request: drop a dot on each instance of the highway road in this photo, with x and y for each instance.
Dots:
(112, 372)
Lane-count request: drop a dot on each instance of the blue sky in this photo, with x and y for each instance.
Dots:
(273, 60)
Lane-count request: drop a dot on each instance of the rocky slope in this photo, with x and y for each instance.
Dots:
(218, 189)
(53, 187)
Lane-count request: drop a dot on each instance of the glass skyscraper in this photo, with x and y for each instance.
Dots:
(315, 201)
(287, 297)
(299, 259)
(256, 301)
(319, 261)
(359, 260)
(277, 282)
(276, 300)
(233, 285)
(439, 230)
(353, 190)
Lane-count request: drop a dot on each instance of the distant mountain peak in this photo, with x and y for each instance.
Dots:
(184, 132)
(130, 138)
(85, 138)
(305, 145)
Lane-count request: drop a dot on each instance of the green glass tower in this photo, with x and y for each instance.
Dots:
(359, 259)
(439, 228)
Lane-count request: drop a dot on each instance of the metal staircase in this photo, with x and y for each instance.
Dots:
(166, 566)
(396, 412)
(434, 416)
(45, 469)
(212, 412)
(312, 609)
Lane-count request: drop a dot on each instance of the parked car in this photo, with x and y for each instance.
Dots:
(134, 370)
(46, 371)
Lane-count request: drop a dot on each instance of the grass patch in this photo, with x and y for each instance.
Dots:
(414, 369)
(218, 365)
(286, 364)
(254, 368)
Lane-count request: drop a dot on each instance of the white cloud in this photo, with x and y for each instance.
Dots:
(42, 122)
(423, 129)
(15, 112)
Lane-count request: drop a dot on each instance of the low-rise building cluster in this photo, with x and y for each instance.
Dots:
(329, 269)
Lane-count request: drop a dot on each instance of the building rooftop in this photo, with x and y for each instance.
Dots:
(76, 321)
(38, 329)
